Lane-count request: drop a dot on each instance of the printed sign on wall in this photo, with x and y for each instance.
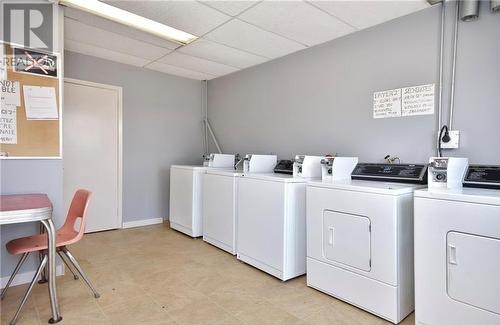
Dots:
(418, 100)
(35, 62)
(408, 101)
(387, 103)
(10, 92)
(8, 124)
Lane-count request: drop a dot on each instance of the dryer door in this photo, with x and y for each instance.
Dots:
(346, 239)
(474, 270)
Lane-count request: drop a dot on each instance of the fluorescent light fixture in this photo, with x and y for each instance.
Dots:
(127, 18)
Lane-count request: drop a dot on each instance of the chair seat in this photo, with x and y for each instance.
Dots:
(38, 243)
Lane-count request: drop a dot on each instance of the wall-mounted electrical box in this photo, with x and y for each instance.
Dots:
(454, 140)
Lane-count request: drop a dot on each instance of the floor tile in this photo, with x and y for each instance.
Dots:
(178, 280)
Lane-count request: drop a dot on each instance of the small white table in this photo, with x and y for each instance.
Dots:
(22, 208)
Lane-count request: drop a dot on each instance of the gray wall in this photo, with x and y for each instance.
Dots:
(29, 176)
(161, 127)
(319, 100)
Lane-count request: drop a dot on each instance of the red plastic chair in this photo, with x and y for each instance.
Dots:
(71, 232)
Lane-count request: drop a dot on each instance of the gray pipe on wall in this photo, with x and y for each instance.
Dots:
(495, 5)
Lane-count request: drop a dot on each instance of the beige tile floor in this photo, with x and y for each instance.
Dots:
(154, 275)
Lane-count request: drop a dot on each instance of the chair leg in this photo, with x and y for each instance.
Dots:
(80, 270)
(75, 276)
(18, 266)
(30, 288)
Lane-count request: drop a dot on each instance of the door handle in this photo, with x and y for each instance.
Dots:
(452, 254)
(331, 234)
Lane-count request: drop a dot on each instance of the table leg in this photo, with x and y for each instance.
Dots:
(51, 253)
(43, 277)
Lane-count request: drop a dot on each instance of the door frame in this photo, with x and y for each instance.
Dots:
(120, 137)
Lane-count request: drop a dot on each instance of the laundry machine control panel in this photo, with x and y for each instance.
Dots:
(482, 176)
(406, 173)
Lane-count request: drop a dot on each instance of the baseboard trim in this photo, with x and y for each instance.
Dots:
(26, 277)
(142, 223)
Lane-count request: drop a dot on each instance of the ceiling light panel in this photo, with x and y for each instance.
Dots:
(190, 16)
(296, 20)
(363, 14)
(130, 19)
(244, 36)
(209, 50)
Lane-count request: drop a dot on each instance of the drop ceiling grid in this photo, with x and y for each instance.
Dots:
(226, 50)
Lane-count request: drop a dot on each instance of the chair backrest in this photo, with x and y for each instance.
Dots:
(77, 213)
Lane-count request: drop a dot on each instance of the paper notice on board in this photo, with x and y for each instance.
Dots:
(40, 103)
(8, 124)
(418, 100)
(387, 103)
(10, 92)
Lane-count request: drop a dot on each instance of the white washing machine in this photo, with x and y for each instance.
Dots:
(220, 197)
(457, 251)
(219, 209)
(360, 238)
(271, 223)
(186, 194)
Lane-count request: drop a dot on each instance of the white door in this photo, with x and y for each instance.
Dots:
(346, 239)
(91, 150)
(473, 270)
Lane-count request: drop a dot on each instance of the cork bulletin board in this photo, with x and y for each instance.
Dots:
(27, 137)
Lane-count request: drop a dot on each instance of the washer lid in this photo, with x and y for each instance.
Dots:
(224, 172)
(274, 177)
(198, 167)
(386, 188)
(471, 195)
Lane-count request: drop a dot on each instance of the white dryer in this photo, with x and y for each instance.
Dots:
(457, 251)
(360, 238)
(186, 194)
(271, 223)
(220, 198)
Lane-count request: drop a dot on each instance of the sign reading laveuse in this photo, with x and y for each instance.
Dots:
(387, 103)
(418, 100)
(409, 101)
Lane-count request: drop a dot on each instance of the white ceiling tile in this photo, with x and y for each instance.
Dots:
(103, 53)
(197, 64)
(79, 32)
(189, 16)
(296, 20)
(216, 52)
(117, 28)
(241, 35)
(170, 69)
(232, 8)
(363, 14)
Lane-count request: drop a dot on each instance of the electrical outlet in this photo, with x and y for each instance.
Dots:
(453, 143)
